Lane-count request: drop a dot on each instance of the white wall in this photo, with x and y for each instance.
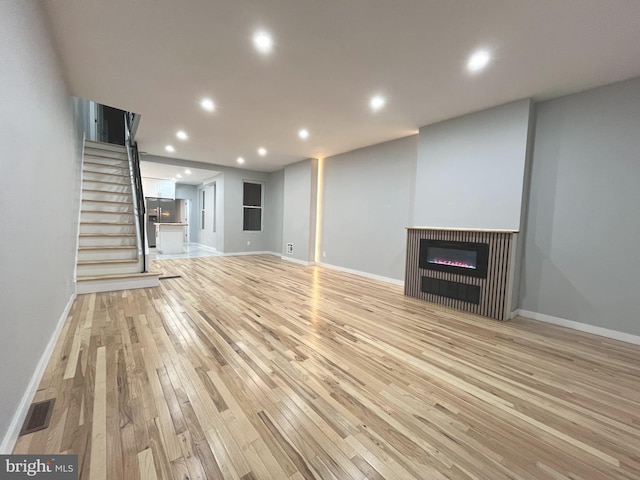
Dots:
(470, 171)
(39, 194)
(298, 220)
(582, 261)
(366, 207)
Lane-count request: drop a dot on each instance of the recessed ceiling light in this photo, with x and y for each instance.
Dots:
(182, 135)
(303, 133)
(263, 42)
(377, 102)
(169, 148)
(178, 175)
(207, 104)
(262, 151)
(187, 171)
(478, 60)
(240, 160)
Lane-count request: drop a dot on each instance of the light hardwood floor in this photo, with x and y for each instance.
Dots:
(256, 368)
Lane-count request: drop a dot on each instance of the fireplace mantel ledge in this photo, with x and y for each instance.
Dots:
(492, 230)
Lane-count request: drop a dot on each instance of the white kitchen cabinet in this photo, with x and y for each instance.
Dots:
(166, 189)
(158, 188)
(170, 237)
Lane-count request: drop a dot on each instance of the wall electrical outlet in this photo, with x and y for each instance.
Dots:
(248, 242)
(289, 248)
(324, 254)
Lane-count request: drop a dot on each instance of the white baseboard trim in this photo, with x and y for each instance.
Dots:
(10, 437)
(583, 327)
(204, 247)
(295, 260)
(372, 276)
(237, 254)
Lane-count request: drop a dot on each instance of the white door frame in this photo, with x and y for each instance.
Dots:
(186, 215)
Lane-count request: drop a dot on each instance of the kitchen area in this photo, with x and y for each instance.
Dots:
(166, 216)
(174, 209)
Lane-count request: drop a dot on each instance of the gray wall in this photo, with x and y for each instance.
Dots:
(298, 224)
(190, 192)
(366, 207)
(214, 199)
(526, 192)
(581, 250)
(470, 170)
(39, 151)
(274, 205)
(235, 240)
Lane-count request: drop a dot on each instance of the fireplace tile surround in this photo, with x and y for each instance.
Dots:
(450, 289)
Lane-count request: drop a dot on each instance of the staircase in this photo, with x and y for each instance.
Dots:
(108, 246)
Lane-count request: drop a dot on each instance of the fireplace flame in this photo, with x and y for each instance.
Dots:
(451, 263)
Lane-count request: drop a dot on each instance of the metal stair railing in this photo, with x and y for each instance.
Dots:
(131, 122)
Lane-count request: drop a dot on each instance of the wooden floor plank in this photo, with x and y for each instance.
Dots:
(98, 467)
(255, 368)
(147, 467)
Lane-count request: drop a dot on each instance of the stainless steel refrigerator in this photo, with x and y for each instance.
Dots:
(159, 210)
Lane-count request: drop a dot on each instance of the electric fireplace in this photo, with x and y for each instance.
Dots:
(469, 269)
(462, 258)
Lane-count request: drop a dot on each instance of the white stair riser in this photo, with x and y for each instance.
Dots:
(108, 254)
(107, 168)
(110, 285)
(106, 217)
(96, 152)
(106, 241)
(107, 207)
(108, 269)
(106, 157)
(107, 197)
(106, 187)
(88, 176)
(104, 147)
(93, 228)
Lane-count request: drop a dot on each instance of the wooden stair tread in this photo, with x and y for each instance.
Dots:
(108, 213)
(105, 182)
(106, 223)
(104, 173)
(107, 247)
(116, 276)
(109, 192)
(106, 262)
(107, 234)
(105, 165)
(93, 200)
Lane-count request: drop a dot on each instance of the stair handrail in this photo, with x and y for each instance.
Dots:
(131, 121)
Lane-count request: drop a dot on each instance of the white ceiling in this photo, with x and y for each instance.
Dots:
(160, 57)
(171, 172)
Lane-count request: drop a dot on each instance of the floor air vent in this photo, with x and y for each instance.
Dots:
(38, 416)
